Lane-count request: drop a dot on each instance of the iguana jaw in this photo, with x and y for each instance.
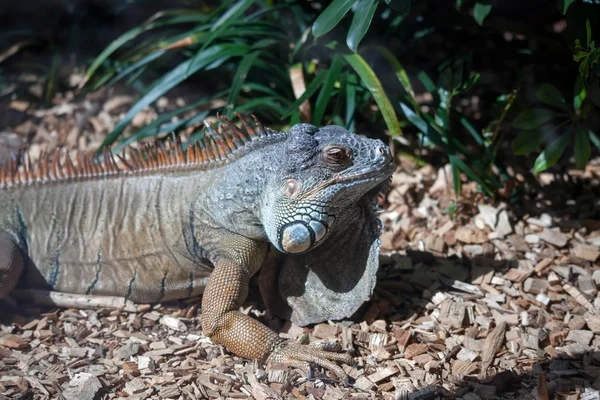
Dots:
(366, 175)
(325, 172)
(300, 236)
(362, 177)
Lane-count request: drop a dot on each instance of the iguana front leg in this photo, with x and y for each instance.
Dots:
(224, 324)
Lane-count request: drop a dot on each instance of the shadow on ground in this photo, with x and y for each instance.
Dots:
(424, 296)
(432, 318)
(541, 353)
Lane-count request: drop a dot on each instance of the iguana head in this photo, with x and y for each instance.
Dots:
(324, 171)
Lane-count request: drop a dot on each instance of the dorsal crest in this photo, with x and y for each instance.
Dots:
(218, 145)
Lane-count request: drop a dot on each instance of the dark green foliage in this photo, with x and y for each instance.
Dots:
(588, 57)
(481, 11)
(542, 125)
(244, 37)
(464, 80)
(360, 22)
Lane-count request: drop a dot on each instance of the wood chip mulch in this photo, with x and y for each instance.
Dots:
(475, 300)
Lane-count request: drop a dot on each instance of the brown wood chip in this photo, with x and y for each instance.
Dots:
(492, 344)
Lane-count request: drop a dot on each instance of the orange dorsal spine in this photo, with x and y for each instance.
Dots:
(218, 145)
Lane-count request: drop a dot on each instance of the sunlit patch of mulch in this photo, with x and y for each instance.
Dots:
(476, 299)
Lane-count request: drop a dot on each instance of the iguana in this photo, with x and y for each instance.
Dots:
(175, 221)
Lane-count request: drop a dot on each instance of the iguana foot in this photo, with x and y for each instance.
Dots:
(301, 356)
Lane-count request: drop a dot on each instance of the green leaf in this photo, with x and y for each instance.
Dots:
(455, 160)
(325, 93)
(455, 175)
(257, 87)
(221, 27)
(580, 55)
(481, 11)
(580, 93)
(399, 70)
(131, 34)
(363, 15)
(588, 31)
(593, 84)
(124, 38)
(209, 57)
(311, 89)
(426, 81)
(160, 124)
(442, 116)
(532, 118)
(231, 15)
(350, 101)
(583, 149)
(240, 78)
(583, 71)
(551, 154)
(135, 66)
(594, 139)
(402, 6)
(374, 86)
(426, 128)
(331, 16)
(526, 142)
(337, 100)
(474, 132)
(296, 118)
(565, 4)
(550, 95)
(267, 103)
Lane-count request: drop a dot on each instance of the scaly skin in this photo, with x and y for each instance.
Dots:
(158, 234)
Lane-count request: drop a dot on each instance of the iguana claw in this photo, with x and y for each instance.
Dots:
(301, 356)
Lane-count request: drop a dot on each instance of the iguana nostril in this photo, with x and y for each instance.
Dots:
(384, 153)
(295, 238)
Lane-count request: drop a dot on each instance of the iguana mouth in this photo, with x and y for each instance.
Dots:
(366, 174)
(363, 175)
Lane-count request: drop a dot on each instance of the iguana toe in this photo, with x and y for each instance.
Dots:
(301, 356)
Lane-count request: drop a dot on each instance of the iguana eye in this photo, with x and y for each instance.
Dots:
(292, 187)
(336, 155)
